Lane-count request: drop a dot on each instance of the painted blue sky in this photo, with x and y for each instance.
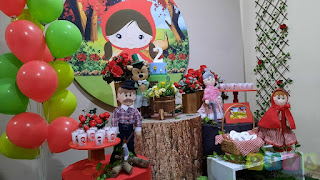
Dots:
(160, 16)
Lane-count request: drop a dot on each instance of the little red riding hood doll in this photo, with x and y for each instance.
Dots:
(275, 127)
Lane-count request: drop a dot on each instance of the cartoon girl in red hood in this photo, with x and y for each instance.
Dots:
(129, 26)
(275, 127)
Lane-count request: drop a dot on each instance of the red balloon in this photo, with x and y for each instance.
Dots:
(47, 57)
(59, 134)
(27, 130)
(37, 80)
(12, 8)
(25, 40)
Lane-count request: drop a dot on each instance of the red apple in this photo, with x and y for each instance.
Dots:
(82, 119)
(106, 114)
(101, 116)
(80, 116)
(93, 123)
(86, 127)
(94, 116)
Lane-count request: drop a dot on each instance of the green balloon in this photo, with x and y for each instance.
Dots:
(65, 74)
(8, 149)
(61, 104)
(45, 11)
(12, 100)
(63, 38)
(9, 65)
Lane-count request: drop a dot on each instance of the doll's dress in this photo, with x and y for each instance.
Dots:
(211, 93)
(276, 138)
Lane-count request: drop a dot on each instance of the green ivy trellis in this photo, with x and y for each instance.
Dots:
(272, 57)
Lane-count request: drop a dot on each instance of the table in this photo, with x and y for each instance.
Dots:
(75, 171)
(219, 169)
(95, 153)
(236, 92)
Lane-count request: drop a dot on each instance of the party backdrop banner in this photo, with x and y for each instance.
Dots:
(112, 27)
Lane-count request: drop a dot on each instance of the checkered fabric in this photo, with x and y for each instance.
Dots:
(245, 147)
(276, 138)
(129, 116)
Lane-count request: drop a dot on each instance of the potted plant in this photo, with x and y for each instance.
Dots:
(116, 70)
(162, 98)
(92, 120)
(189, 85)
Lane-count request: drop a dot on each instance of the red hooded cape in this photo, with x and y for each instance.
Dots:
(141, 6)
(271, 120)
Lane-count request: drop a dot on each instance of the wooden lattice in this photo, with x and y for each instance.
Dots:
(272, 41)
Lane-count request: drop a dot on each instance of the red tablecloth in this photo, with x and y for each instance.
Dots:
(84, 170)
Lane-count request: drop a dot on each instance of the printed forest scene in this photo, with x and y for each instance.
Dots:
(104, 25)
(238, 113)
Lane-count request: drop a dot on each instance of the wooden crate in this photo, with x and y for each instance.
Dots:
(190, 103)
(163, 105)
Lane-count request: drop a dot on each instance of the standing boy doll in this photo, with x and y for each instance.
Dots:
(126, 118)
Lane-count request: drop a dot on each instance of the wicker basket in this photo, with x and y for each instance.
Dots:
(228, 145)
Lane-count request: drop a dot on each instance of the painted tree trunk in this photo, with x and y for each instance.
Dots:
(172, 26)
(94, 27)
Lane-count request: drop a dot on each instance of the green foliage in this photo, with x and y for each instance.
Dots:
(272, 58)
(202, 178)
(178, 65)
(162, 89)
(206, 120)
(80, 61)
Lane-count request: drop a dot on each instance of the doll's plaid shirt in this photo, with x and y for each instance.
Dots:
(129, 116)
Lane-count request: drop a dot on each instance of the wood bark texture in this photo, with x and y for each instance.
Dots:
(173, 146)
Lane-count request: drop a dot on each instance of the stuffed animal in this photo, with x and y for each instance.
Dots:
(140, 74)
(276, 125)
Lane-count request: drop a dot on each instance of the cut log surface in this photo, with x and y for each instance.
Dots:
(174, 147)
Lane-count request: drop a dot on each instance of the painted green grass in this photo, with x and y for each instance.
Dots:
(101, 90)
(172, 39)
(97, 87)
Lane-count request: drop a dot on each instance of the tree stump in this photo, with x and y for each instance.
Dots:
(173, 146)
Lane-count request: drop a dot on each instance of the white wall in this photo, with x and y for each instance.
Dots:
(215, 40)
(303, 22)
(214, 27)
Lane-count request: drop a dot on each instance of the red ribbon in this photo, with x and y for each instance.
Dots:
(282, 109)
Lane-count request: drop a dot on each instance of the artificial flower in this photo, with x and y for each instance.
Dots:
(112, 64)
(203, 68)
(283, 26)
(117, 71)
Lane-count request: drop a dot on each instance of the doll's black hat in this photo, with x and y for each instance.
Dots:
(129, 84)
